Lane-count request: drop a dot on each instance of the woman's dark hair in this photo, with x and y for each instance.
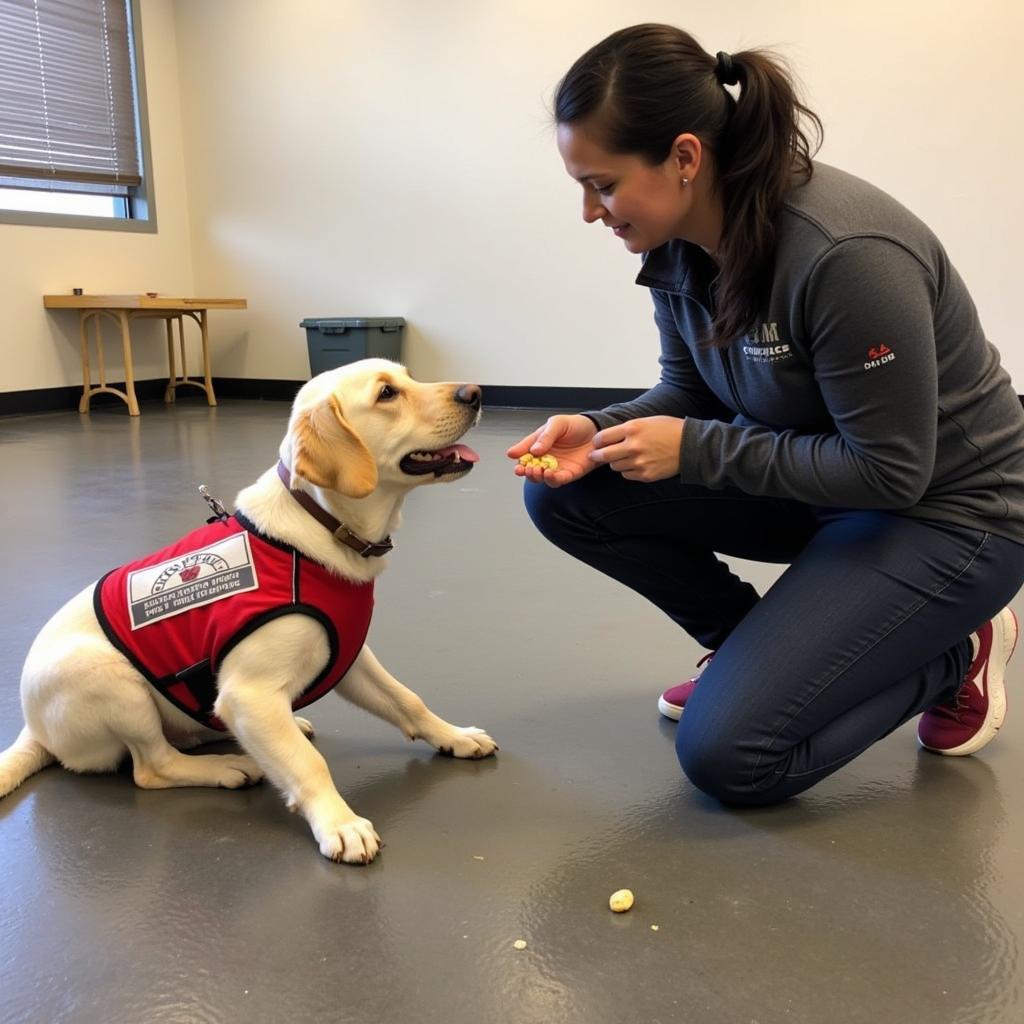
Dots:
(643, 86)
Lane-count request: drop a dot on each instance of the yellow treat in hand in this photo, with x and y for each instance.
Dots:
(534, 462)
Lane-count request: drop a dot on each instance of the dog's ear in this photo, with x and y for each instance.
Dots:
(329, 453)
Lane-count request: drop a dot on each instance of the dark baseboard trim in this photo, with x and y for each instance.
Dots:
(496, 396)
(63, 399)
(16, 403)
(266, 390)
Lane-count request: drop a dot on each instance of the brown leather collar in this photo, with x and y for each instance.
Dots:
(339, 530)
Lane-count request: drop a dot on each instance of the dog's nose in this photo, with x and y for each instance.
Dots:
(469, 394)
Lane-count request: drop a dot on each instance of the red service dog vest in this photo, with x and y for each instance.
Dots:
(176, 613)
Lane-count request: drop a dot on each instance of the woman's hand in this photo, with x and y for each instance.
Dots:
(569, 439)
(645, 449)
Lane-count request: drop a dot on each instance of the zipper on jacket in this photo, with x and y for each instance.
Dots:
(732, 382)
(723, 352)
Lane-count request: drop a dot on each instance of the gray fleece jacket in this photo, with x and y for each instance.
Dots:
(867, 382)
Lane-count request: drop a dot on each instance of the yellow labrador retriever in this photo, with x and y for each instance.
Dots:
(256, 614)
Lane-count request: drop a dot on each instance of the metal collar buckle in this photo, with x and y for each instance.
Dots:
(338, 530)
(369, 549)
(216, 505)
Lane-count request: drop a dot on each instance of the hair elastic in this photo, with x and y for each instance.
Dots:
(725, 70)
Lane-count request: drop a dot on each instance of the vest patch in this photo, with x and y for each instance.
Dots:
(199, 577)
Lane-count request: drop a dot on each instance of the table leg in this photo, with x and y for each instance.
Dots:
(83, 402)
(102, 388)
(99, 354)
(129, 368)
(181, 348)
(206, 359)
(169, 390)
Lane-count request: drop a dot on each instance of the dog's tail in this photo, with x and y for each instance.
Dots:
(24, 758)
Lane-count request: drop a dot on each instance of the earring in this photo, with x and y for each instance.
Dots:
(686, 181)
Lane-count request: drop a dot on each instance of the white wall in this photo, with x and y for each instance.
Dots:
(40, 348)
(393, 157)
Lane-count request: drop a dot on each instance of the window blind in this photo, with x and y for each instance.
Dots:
(67, 108)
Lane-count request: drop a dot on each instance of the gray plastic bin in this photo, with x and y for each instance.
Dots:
(334, 341)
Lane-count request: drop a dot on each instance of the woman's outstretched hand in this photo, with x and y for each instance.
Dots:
(645, 449)
(569, 439)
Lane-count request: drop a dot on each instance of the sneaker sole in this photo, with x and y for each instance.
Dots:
(1006, 623)
(673, 711)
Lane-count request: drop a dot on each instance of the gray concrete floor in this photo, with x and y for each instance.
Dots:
(890, 892)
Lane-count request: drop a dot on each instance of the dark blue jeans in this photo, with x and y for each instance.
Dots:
(867, 627)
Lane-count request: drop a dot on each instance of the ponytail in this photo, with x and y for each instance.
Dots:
(643, 86)
(760, 154)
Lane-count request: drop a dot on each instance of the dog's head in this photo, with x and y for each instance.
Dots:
(369, 423)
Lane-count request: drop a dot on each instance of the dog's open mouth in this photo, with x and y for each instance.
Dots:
(458, 458)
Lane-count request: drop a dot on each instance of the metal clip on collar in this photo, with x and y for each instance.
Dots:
(216, 506)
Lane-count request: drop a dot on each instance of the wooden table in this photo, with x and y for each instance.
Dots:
(123, 309)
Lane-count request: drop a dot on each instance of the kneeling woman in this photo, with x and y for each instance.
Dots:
(828, 399)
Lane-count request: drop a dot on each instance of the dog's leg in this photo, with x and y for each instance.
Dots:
(254, 701)
(135, 721)
(89, 707)
(265, 726)
(370, 686)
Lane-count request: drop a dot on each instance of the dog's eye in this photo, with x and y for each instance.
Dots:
(387, 392)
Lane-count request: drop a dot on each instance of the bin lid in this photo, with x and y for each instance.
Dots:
(317, 322)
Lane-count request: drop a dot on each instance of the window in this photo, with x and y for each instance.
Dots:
(71, 116)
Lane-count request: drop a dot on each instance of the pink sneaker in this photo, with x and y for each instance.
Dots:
(671, 702)
(972, 717)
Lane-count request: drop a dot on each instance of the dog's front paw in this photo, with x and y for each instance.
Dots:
(305, 726)
(468, 741)
(354, 841)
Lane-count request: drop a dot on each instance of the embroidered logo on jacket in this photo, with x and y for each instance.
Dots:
(877, 355)
(762, 344)
(188, 581)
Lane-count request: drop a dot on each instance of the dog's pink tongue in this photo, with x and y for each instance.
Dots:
(463, 451)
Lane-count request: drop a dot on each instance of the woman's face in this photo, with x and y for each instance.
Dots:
(644, 205)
